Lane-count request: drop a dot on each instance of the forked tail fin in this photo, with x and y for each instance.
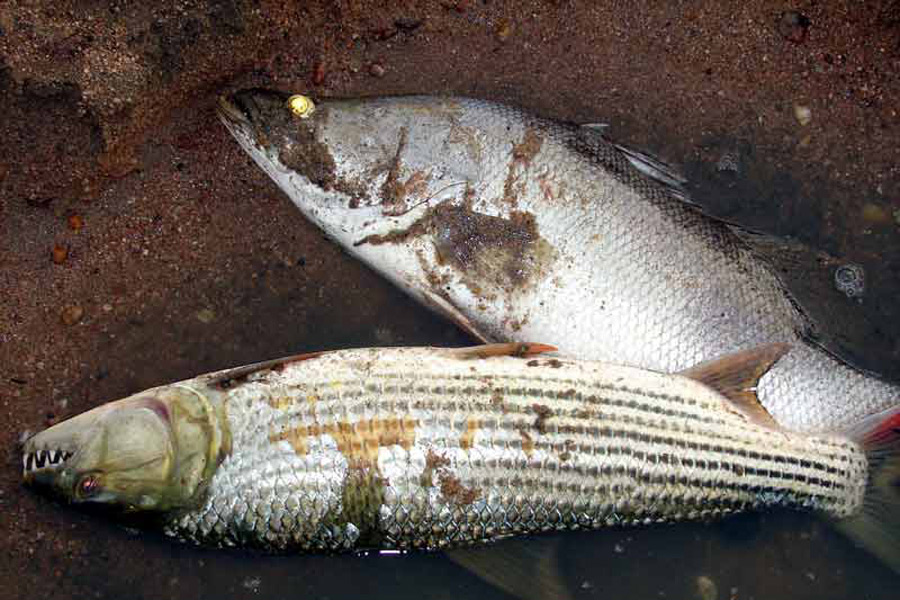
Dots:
(877, 526)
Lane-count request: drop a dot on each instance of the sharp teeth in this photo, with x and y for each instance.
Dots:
(41, 458)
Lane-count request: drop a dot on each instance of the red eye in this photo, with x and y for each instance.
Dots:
(88, 486)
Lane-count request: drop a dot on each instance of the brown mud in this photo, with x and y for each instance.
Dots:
(139, 245)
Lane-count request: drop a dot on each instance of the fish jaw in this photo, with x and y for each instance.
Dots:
(151, 451)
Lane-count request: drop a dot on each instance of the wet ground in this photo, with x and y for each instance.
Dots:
(139, 245)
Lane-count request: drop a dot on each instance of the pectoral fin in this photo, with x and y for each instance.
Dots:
(735, 376)
(524, 568)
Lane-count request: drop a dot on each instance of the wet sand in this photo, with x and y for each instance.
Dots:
(139, 245)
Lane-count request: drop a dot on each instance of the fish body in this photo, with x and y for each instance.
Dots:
(520, 228)
(425, 448)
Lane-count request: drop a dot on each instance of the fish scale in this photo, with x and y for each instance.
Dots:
(407, 448)
(521, 228)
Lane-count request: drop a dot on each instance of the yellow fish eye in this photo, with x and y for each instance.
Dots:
(301, 106)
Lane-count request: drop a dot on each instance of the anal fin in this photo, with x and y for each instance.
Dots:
(735, 376)
(526, 568)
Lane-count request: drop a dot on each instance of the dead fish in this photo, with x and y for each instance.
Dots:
(430, 448)
(520, 228)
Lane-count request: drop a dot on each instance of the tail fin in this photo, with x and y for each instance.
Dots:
(877, 526)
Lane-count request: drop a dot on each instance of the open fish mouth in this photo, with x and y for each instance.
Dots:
(37, 460)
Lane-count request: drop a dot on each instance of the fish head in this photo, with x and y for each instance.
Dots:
(414, 186)
(151, 451)
(353, 166)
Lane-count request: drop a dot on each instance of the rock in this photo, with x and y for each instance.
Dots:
(793, 26)
(851, 280)
(76, 222)
(59, 253)
(376, 70)
(873, 213)
(803, 114)
(71, 315)
(706, 588)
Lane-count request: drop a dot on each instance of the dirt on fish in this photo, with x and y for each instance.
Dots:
(454, 491)
(490, 254)
(543, 413)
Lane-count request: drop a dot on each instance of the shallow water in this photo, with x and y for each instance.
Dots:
(193, 261)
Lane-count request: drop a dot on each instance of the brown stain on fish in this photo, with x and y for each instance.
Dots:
(357, 441)
(467, 439)
(522, 155)
(454, 491)
(525, 151)
(310, 156)
(543, 414)
(505, 254)
(488, 252)
(433, 462)
(527, 443)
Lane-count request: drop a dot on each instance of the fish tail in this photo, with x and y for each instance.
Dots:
(877, 525)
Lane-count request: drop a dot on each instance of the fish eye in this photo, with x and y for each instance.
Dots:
(302, 106)
(88, 486)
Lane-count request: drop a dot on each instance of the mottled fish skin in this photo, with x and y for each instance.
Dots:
(524, 228)
(418, 448)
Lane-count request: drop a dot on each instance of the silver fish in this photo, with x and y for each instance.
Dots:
(523, 228)
(426, 448)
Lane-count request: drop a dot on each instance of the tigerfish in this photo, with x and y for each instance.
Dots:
(432, 448)
(521, 228)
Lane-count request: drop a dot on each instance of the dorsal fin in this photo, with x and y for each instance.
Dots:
(230, 377)
(654, 168)
(735, 376)
(502, 349)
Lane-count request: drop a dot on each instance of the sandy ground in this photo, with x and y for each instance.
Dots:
(138, 245)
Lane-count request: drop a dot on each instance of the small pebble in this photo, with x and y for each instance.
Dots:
(23, 437)
(107, 307)
(408, 23)
(793, 26)
(252, 584)
(377, 70)
(803, 114)
(851, 280)
(730, 161)
(873, 213)
(70, 315)
(587, 585)
(706, 588)
(503, 30)
(318, 76)
(76, 222)
(619, 548)
(206, 316)
(60, 253)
